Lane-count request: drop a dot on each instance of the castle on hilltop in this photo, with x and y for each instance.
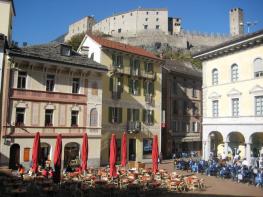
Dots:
(153, 29)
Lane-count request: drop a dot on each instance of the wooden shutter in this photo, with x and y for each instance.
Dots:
(111, 84)
(26, 154)
(130, 85)
(119, 115)
(152, 116)
(144, 87)
(128, 115)
(121, 81)
(152, 87)
(137, 114)
(110, 114)
(138, 86)
(143, 115)
(113, 59)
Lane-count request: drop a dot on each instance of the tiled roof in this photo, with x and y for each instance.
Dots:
(52, 52)
(123, 47)
(182, 67)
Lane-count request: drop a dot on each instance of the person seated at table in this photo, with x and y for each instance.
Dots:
(45, 173)
(78, 169)
(30, 171)
(21, 170)
(50, 172)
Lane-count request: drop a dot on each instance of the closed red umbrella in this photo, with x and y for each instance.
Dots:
(84, 152)
(113, 155)
(35, 152)
(155, 154)
(124, 149)
(57, 158)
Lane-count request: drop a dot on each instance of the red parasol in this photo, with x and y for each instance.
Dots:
(155, 154)
(57, 158)
(124, 149)
(113, 155)
(35, 152)
(84, 152)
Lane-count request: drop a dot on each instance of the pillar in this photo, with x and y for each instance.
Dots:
(226, 148)
(248, 152)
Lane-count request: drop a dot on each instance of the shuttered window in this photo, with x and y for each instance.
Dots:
(115, 115)
(148, 117)
(26, 154)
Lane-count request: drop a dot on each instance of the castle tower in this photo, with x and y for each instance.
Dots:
(236, 22)
(174, 25)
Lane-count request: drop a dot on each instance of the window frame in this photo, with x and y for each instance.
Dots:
(20, 123)
(75, 85)
(234, 73)
(21, 79)
(235, 107)
(215, 76)
(215, 108)
(50, 124)
(75, 116)
(260, 106)
(50, 83)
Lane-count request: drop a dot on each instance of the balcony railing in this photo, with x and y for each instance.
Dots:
(148, 98)
(134, 126)
(116, 95)
(135, 72)
(35, 95)
(148, 75)
(117, 69)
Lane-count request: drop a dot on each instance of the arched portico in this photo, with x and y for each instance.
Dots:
(71, 152)
(215, 141)
(256, 141)
(236, 142)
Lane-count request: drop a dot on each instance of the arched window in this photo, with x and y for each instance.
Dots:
(234, 72)
(94, 117)
(214, 76)
(258, 67)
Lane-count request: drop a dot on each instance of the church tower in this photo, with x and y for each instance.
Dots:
(236, 22)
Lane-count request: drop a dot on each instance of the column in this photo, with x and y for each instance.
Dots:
(226, 148)
(248, 153)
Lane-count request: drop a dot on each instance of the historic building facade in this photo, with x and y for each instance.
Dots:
(131, 96)
(52, 90)
(181, 104)
(233, 97)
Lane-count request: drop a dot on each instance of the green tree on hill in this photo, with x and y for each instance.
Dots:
(76, 40)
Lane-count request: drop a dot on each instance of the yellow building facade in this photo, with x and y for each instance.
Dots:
(131, 96)
(233, 97)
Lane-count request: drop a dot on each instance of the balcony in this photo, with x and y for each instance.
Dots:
(135, 72)
(43, 96)
(116, 69)
(134, 126)
(116, 95)
(148, 75)
(148, 98)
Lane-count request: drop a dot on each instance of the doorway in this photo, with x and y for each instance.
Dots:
(14, 156)
(132, 149)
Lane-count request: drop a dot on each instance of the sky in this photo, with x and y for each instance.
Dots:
(41, 21)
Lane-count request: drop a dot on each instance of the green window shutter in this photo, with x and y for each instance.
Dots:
(144, 87)
(152, 116)
(128, 114)
(110, 114)
(111, 84)
(120, 115)
(113, 59)
(152, 87)
(138, 86)
(143, 115)
(121, 61)
(145, 67)
(137, 114)
(130, 85)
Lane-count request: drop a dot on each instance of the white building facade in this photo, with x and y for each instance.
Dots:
(233, 97)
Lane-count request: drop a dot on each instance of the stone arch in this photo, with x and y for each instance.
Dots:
(236, 141)
(215, 142)
(71, 153)
(14, 157)
(256, 141)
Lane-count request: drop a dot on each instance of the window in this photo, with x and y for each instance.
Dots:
(194, 127)
(258, 67)
(94, 89)
(50, 83)
(75, 85)
(157, 27)
(175, 107)
(119, 30)
(195, 109)
(259, 105)
(131, 14)
(145, 26)
(117, 60)
(147, 13)
(157, 13)
(26, 154)
(115, 115)
(93, 118)
(185, 108)
(235, 107)
(148, 67)
(194, 92)
(234, 72)
(215, 108)
(186, 127)
(49, 117)
(21, 81)
(174, 126)
(20, 115)
(146, 19)
(215, 77)
(65, 50)
(134, 86)
(147, 146)
(133, 115)
(157, 19)
(135, 67)
(148, 87)
(74, 118)
(116, 84)
(148, 117)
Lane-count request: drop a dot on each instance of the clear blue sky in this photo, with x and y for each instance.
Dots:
(40, 21)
